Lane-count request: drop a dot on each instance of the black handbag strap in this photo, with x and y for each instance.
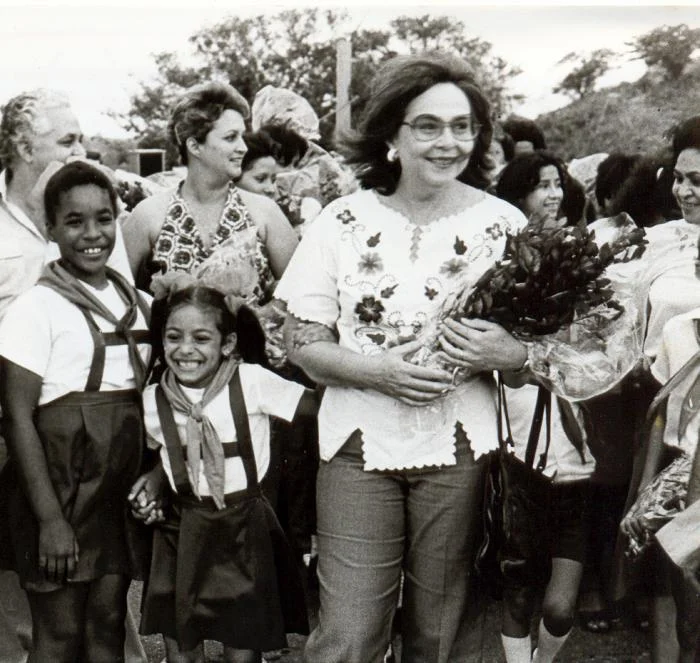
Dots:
(543, 412)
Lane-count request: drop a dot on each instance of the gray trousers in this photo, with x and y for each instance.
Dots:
(374, 525)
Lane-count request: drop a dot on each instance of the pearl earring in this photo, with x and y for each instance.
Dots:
(392, 154)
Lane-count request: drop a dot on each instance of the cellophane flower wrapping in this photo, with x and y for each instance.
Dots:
(663, 499)
(571, 294)
(233, 267)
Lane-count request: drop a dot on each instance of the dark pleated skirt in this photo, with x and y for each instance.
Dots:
(227, 575)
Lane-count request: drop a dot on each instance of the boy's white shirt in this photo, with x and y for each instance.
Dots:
(46, 334)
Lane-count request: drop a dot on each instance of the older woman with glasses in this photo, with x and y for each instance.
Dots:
(402, 448)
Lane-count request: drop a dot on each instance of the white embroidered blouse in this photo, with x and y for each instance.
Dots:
(365, 270)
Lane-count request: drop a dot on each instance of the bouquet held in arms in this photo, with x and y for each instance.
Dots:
(568, 293)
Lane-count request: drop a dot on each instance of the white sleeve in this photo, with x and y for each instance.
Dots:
(25, 333)
(154, 433)
(277, 397)
(310, 282)
(118, 259)
(678, 344)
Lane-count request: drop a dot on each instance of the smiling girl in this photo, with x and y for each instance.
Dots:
(73, 358)
(539, 185)
(221, 567)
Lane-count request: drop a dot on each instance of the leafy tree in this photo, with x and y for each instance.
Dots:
(582, 79)
(670, 47)
(443, 33)
(296, 49)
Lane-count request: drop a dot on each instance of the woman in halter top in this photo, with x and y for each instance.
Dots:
(207, 222)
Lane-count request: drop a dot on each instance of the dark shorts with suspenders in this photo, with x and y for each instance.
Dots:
(94, 444)
(227, 575)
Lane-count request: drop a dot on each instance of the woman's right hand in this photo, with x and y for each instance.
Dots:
(58, 549)
(411, 384)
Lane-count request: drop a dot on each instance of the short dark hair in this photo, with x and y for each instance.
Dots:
(521, 175)
(278, 141)
(244, 323)
(290, 145)
(646, 193)
(259, 145)
(521, 128)
(508, 146)
(73, 174)
(195, 113)
(612, 173)
(686, 136)
(398, 82)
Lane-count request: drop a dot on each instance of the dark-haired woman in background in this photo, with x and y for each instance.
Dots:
(259, 165)
(538, 184)
(402, 448)
(645, 194)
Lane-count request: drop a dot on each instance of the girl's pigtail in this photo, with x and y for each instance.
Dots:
(251, 338)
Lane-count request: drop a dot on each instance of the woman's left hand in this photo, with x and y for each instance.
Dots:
(480, 345)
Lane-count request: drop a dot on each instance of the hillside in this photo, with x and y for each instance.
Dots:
(632, 117)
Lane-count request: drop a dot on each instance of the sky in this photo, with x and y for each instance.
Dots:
(99, 52)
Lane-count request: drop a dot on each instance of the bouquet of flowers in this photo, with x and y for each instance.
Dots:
(132, 188)
(547, 279)
(663, 499)
(565, 292)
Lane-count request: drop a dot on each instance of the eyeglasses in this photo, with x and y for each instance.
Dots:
(427, 127)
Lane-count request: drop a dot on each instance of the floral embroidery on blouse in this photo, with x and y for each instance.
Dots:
(179, 244)
(370, 309)
(392, 293)
(494, 231)
(370, 262)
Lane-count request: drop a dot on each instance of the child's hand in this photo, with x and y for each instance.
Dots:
(145, 496)
(58, 549)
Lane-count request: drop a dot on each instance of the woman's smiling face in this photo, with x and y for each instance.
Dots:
(223, 148)
(542, 204)
(686, 184)
(434, 163)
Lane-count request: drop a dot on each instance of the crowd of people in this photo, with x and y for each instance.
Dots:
(219, 391)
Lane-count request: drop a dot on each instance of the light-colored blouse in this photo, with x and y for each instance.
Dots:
(380, 280)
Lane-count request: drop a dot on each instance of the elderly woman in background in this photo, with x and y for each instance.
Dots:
(38, 133)
(207, 213)
(402, 448)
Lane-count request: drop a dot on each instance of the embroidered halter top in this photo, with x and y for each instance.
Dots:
(179, 245)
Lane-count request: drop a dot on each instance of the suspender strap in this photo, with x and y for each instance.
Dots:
(231, 450)
(240, 419)
(503, 413)
(542, 408)
(173, 444)
(97, 367)
(100, 341)
(112, 338)
(542, 413)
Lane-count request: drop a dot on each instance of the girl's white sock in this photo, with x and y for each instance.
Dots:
(518, 650)
(548, 645)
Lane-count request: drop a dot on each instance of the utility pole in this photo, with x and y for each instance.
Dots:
(343, 73)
